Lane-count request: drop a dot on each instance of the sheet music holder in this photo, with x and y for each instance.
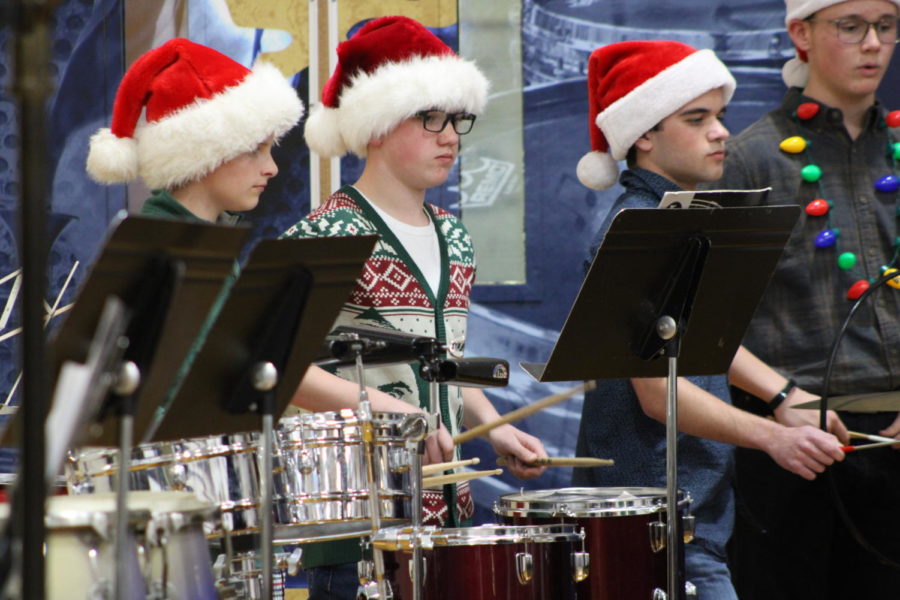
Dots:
(332, 266)
(619, 297)
(203, 255)
(679, 284)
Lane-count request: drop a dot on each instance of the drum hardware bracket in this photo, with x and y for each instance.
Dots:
(524, 567)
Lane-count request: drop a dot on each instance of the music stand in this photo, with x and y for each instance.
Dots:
(676, 283)
(149, 265)
(268, 332)
(143, 260)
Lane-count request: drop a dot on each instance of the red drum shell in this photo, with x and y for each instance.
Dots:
(479, 563)
(616, 523)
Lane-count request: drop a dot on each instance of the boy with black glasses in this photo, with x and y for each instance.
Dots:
(400, 98)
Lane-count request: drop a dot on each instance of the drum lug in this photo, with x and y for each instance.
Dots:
(412, 567)
(657, 536)
(524, 567)
(306, 463)
(581, 566)
(365, 571)
(399, 460)
(690, 590)
(369, 591)
(658, 594)
(179, 477)
(688, 523)
(295, 561)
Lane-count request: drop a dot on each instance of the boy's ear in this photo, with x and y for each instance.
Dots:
(644, 143)
(800, 32)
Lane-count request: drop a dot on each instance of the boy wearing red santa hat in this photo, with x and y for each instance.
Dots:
(401, 99)
(659, 105)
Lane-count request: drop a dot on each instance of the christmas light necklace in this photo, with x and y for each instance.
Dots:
(819, 207)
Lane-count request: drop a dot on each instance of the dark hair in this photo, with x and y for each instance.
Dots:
(631, 157)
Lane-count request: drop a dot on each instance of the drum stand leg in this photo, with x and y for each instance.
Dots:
(368, 438)
(418, 575)
(265, 377)
(676, 591)
(129, 379)
(418, 571)
(125, 434)
(265, 488)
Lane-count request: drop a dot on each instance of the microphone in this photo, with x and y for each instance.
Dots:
(467, 372)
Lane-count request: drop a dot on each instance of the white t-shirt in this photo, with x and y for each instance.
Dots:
(422, 244)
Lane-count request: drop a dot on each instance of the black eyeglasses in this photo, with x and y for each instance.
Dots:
(853, 30)
(436, 121)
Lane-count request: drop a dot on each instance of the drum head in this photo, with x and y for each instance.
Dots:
(586, 502)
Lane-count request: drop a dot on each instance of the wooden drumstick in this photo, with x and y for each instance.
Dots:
(565, 461)
(445, 466)
(457, 477)
(521, 413)
(871, 437)
(870, 446)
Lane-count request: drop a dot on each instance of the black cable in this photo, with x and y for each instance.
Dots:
(855, 533)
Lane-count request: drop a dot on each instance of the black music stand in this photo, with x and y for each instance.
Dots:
(268, 333)
(168, 273)
(280, 309)
(680, 284)
(149, 265)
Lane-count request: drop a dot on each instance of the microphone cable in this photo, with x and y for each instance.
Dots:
(855, 533)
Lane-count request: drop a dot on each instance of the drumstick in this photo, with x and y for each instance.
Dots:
(457, 477)
(444, 466)
(869, 446)
(521, 413)
(871, 437)
(565, 461)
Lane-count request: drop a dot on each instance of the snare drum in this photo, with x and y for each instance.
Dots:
(321, 489)
(625, 533)
(81, 558)
(487, 562)
(178, 564)
(222, 469)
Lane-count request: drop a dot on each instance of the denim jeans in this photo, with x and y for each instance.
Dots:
(334, 582)
(707, 570)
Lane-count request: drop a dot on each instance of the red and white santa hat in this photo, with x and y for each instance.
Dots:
(795, 72)
(201, 109)
(632, 86)
(390, 69)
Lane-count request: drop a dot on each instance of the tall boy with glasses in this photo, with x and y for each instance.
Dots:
(400, 98)
(789, 540)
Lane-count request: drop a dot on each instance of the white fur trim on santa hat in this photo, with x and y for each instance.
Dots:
(597, 170)
(373, 104)
(112, 159)
(640, 110)
(800, 9)
(197, 139)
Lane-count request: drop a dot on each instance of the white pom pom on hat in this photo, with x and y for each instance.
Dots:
(632, 86)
